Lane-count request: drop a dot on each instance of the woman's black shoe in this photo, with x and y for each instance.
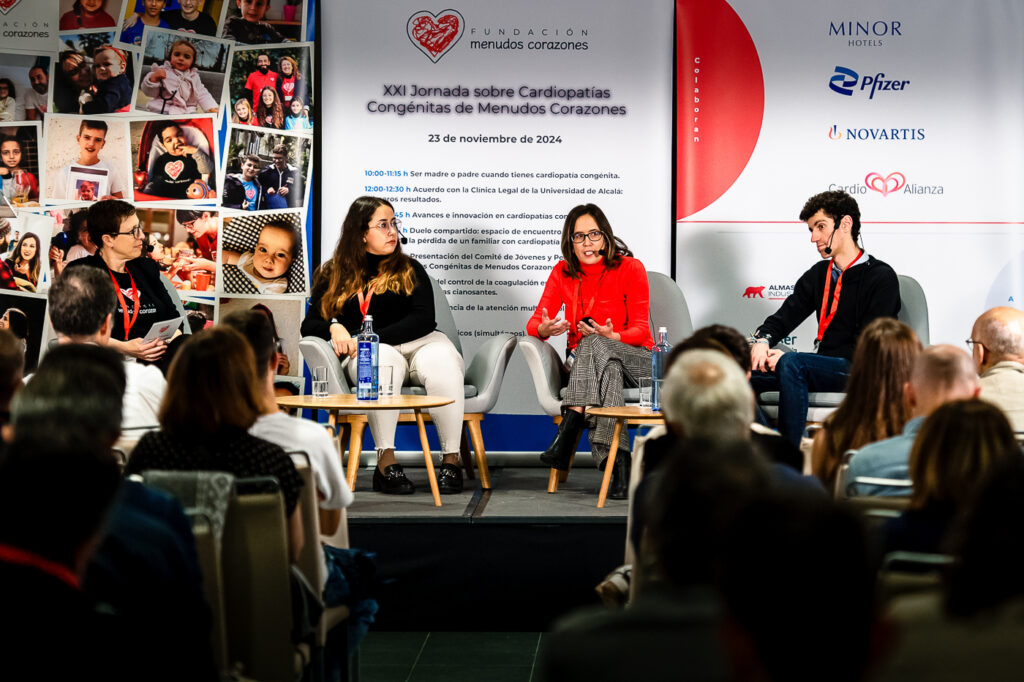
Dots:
(619, 488)
(449, 479)
(392, 481)
(560, 451)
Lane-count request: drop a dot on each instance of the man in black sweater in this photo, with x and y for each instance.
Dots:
(846, 290)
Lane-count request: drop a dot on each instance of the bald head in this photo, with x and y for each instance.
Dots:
(941, 374)
(1001, 333)
(706, 394)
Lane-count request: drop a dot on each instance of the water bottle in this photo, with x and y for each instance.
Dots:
(659, 354)
(366, 357)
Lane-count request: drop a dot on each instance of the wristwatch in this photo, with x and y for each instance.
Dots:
(758, 336)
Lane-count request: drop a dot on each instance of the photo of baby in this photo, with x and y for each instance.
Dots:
(176, 159)
(81, 149)
(264, 254)
(94, 77)
(24, 86)
(19, 163)
(258, 22)
(276, 84)
(181, 75)
(192, 16)
(264, 170)
(78, 14)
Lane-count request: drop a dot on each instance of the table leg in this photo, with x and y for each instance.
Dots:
(610, 463)
(481, 455)
(432, 477)
(355, 449)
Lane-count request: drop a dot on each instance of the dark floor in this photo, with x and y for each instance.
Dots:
(449, 656)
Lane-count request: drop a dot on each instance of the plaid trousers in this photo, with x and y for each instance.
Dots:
(596, 380)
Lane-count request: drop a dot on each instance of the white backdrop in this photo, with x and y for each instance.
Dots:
(493, 240)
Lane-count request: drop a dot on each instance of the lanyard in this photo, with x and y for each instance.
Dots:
(825, 320)
(364, 301)
(128, 324)
(590, 304)
(20, 557)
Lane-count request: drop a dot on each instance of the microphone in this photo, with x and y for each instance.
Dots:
(828, 249)
(603, 252)
(401, 236)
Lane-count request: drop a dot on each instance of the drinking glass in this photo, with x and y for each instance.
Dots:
(386, 387)
(319, 382)
(645, 393)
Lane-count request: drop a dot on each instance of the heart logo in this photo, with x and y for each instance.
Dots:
(250, 193)
(174, 169)
(8, 5)
(893, 182)
(435, 34)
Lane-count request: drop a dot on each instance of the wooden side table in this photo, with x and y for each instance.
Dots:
(347, 402)
(627, 415)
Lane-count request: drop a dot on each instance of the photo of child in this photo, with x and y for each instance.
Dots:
(78, 14)
(286, 316)
(8, 105)
(177, 252)
(184, 75)
(176, 159)
(265, 170)
(192, 16)
(84, 149)
(271, 79)
(69, 238)
(19, 163)
(263, 254)
(24, 315)
(92, 76)
(86, 190)
(111, 90)
(28, 84)
(257, 22)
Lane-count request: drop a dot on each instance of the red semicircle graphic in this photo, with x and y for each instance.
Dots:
(719, 101)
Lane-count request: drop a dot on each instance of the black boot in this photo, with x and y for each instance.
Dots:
(619, 488)
(559, 452)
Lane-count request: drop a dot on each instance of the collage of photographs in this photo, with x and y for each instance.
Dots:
(200, 114)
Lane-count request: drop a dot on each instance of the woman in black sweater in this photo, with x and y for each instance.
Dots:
(369, 275)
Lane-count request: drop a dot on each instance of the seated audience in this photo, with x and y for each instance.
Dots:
(873, 408)
(213, 397)
(145, 571)
(956, 447)
(798, 590)
(997, 342)
(941, 374)
(82, 305)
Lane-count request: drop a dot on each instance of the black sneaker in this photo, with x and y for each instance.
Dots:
(449, 479)
(392, 481)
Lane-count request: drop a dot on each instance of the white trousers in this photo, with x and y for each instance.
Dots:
(432, 362)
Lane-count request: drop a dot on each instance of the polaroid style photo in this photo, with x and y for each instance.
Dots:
(181, 73)
(87, 158)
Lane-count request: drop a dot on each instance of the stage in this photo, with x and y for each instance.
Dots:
(509, 559)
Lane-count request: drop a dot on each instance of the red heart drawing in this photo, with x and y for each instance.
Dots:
(876, 182)
(250, 193)
(174, 169)
(8, 5)
(435, 34)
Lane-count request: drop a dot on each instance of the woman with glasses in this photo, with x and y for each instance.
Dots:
(142, 299)
(605, 294)
(369, 275)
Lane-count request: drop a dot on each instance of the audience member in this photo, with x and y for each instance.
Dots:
(213, 397)
(941, 374)
(873, 408)
(82, 305)
(997, 342)
(956, 447)
(145, 570)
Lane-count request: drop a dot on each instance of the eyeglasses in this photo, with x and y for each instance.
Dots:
(593, 235)
(971, 343)
(135, 232)
(386, 227)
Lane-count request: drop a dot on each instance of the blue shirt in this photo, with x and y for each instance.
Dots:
(252, 193)
(133, 34)
(889, 458)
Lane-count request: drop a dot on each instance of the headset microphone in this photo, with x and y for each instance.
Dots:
(828, 249)
(603, 252)
(402, 238)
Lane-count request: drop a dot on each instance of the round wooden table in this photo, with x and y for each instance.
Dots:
(347, 403)
(623, 416)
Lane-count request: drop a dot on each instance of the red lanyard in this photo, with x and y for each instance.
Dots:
(364, 301)
(825, 320)
(20, 557)
(120, 298)
(590, 304)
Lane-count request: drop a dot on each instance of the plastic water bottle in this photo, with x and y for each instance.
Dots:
(366, 356)
(659, 354)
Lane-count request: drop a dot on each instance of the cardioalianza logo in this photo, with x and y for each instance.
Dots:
(845, 81)
(889, 134)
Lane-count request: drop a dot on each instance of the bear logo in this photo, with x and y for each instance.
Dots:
(754, 292)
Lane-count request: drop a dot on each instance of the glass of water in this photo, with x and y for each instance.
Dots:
(385, 376)
(645, 393)
(319, 382)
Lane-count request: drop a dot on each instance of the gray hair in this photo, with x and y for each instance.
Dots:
(1002, 337)
(706, 394)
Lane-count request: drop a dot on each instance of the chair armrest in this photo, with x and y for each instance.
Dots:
(319, 353)
(546, 370)
(487, 369)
